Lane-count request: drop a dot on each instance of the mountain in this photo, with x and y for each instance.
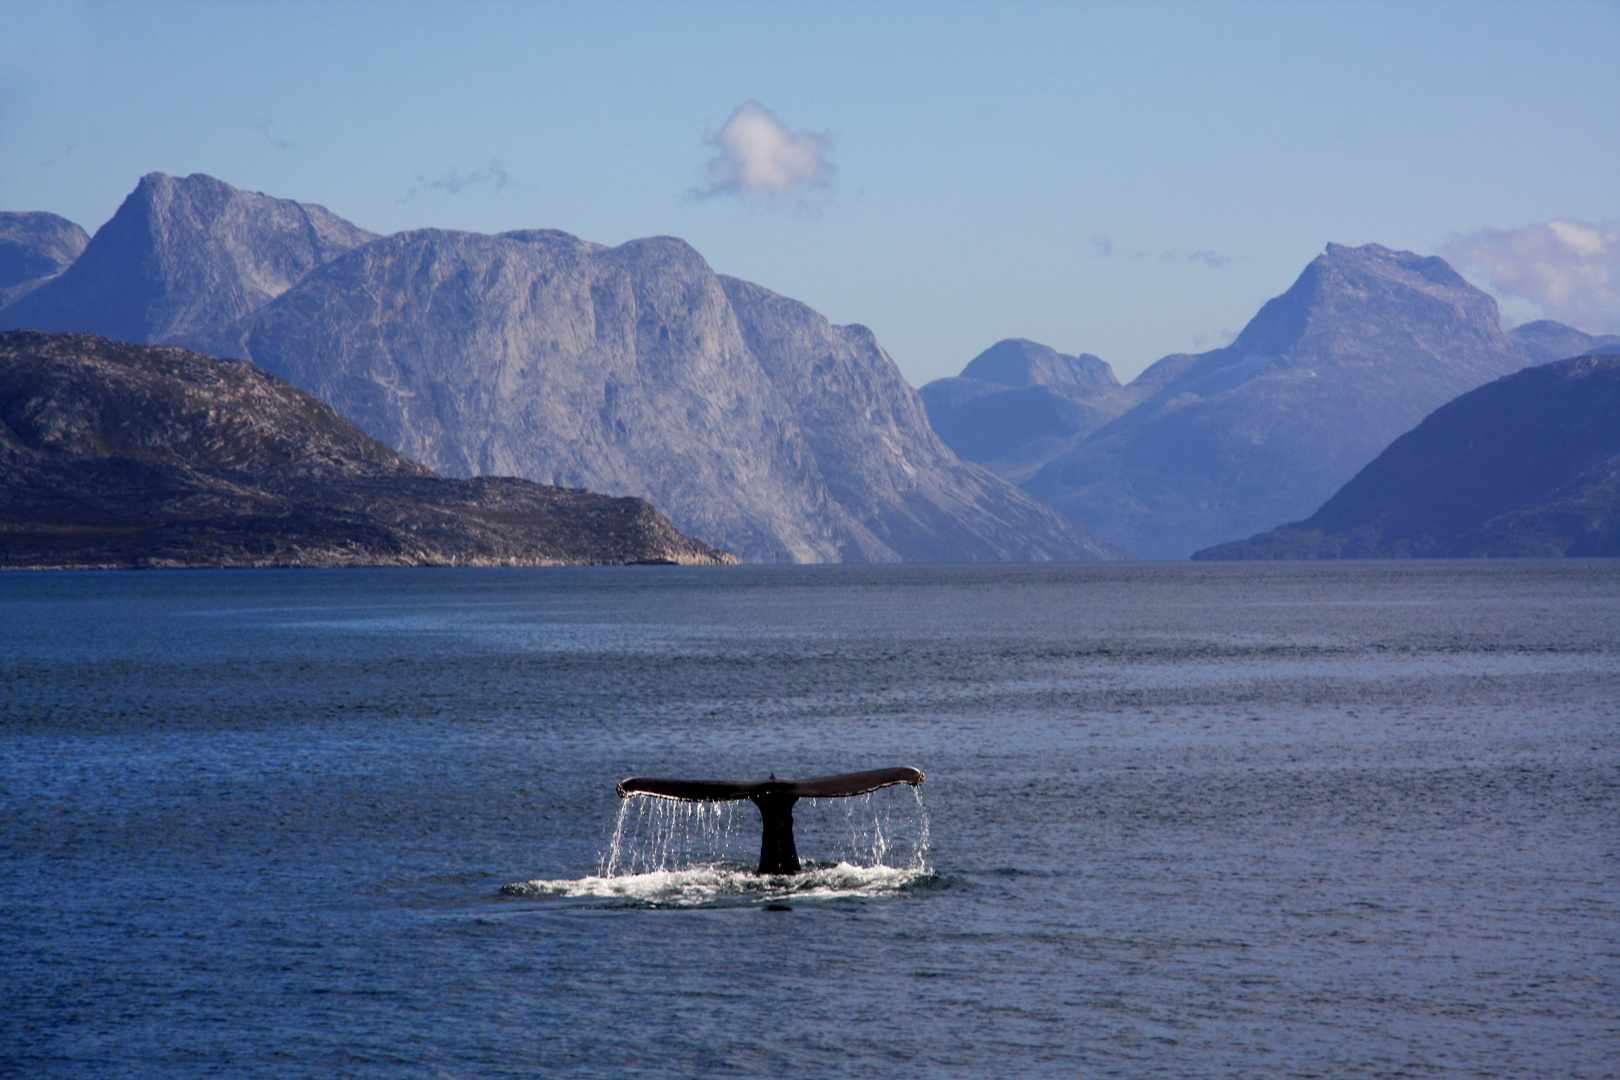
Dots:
(1020, 362)
(181, 259)
(635, 370)
(117, 455)
(1365, 344)
(35, 247)
(1019, 404)
(1545, 340)
(746, 416)
(1528, 465)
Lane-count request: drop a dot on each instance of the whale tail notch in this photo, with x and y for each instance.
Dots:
(775, 798)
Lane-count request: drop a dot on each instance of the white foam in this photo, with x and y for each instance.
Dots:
(719, 883)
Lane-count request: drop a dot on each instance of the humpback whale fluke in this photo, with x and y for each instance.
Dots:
(775, 799)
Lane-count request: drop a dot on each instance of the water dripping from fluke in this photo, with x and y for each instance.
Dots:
(682, 843)
(778, 854)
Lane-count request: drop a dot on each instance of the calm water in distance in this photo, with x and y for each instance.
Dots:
(1342, 820)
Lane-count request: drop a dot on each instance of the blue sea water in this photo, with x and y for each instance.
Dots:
(1338, 820)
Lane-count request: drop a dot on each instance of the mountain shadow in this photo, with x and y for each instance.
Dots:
(1528, 465)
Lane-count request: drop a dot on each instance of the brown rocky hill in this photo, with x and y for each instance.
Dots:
(117, 455)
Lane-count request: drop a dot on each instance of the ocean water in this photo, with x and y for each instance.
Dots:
(1347, 820)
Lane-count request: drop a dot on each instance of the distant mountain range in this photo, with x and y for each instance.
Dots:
(1544, 341)
(1201, 448)
(746, 416)
(1528, 465)
(750, 419)
(118, 455)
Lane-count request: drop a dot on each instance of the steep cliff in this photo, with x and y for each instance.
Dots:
(635, 370)
(746, 416)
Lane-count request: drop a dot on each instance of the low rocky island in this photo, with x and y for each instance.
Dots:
(115, 455)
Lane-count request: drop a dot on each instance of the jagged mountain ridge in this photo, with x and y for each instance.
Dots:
(181, 259)
(1528, 465)
(1364, 344)
(118, 455)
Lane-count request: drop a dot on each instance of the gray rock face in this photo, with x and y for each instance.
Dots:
(115, 455)
(1528, 465)
(746, 416)
(1365, 343)
(181, 259)
(1545, 340)
(1019, 404)
(35, 247)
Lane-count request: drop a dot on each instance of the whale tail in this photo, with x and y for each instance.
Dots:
(775, 798)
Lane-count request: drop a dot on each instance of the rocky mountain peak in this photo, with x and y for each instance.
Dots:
(181, 258)
(1364, 343)
(1545, 340)
(1398, 289)
(1021, 362)
(634, 370)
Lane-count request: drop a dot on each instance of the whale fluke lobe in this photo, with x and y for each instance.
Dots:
(775, 799)
(821, 787)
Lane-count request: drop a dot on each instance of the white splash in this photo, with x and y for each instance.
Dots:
(718, 883)
(671, 852)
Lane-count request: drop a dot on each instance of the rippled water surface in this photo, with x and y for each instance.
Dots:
(1180, 821)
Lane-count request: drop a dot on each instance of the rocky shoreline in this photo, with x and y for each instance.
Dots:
(124, 456)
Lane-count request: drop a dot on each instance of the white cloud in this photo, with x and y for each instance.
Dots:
(1212, 259)
(1569, 270)
(759, 154)
(263, 128)
(453, 182)
(1103, 246)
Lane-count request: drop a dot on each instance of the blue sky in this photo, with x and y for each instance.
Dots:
(1128, 180)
